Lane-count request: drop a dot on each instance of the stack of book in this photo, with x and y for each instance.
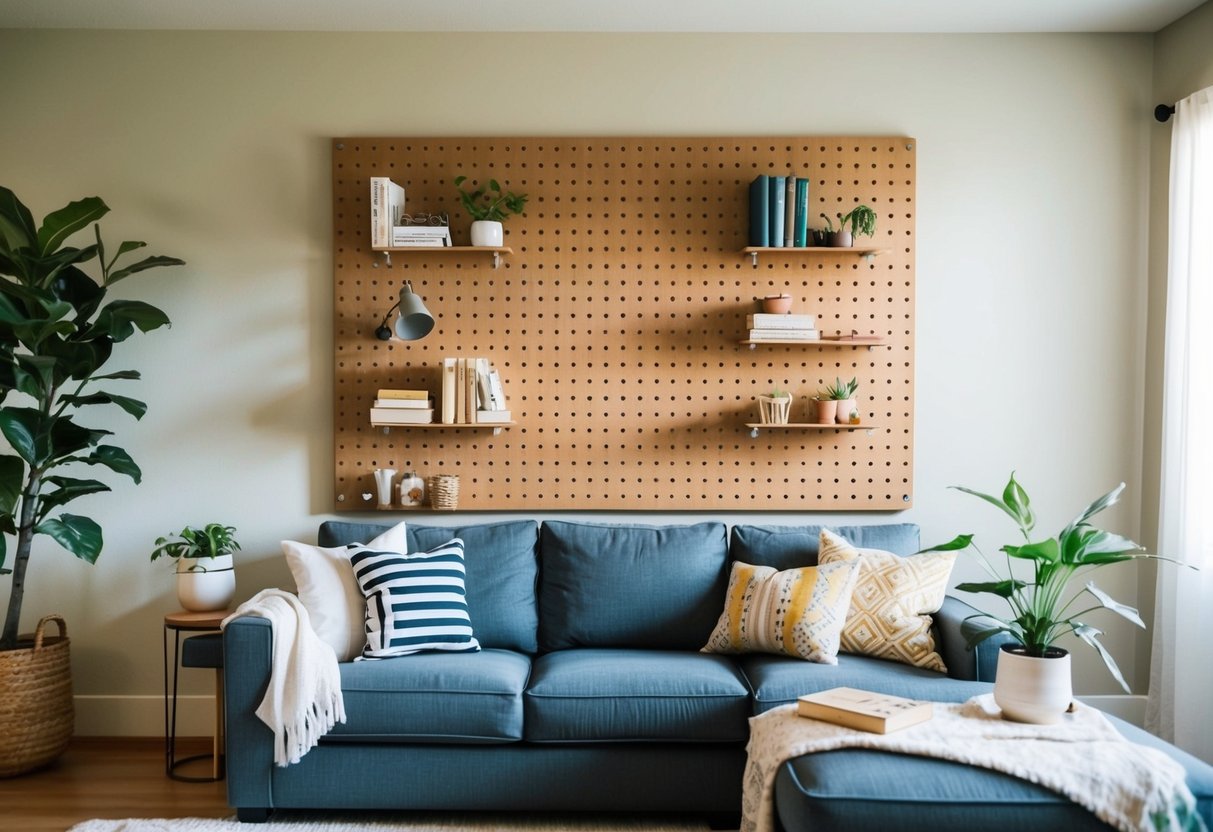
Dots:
(402, 407)
(779, 211)
(791, 327)
(420, 236)
(387, 207)
(472, 393)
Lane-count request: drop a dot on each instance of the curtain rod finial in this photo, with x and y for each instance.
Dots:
(1163, 112)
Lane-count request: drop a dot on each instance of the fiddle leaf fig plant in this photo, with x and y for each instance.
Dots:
(1043, 608)
(491, 203)
(57, 331)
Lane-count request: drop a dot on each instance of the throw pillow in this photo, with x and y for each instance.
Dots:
(892, 602)
(326, 586)
(797, 612)
(414, 602)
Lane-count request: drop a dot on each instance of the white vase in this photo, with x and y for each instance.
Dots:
(383, 485)
(206, 584)
(488, 233)
(1033, 689)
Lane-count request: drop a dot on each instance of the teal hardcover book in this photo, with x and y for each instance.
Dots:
(760, 207)
(779, 186)
(801, 237)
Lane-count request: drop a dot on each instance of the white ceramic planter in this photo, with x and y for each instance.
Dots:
(488, 233)
(206, 584)
(1031, 689)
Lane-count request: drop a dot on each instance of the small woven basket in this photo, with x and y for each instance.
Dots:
(36, 712)
(444, 492)
(774, 411)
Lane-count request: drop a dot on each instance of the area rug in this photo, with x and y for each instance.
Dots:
(394, 822)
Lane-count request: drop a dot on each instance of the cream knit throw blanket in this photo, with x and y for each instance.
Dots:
(303, 699)
(1128, 786)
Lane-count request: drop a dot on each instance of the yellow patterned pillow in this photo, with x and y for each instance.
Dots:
(797, 612)
(892, 602)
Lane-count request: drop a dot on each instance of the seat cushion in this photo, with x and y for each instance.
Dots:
(202, 651)
(501, 572)
(657, 587)
(435, 697)
(777, 680)
(611, 695)
(789, 547)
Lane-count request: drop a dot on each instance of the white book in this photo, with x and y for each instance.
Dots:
(766, 320)
(421, 242)
(387, 206)
(448, 391)
(784, 335)
(496, 391)
(401, 416)
(428, 235)
(487, 417)
(405, 404)
(484, 393)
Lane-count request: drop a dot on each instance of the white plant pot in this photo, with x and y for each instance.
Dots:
(1031, 689)
(206, 584)
(488, 233)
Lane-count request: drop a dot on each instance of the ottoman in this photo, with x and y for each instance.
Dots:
(858, 789)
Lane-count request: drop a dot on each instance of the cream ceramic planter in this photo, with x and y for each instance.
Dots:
(488, 233)
(206, 584)
(843, 415)
(1032, 689)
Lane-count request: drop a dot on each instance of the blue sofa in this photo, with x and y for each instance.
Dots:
(590, 693)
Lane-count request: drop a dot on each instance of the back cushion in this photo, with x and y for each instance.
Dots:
(658, 587)
(791, 547)
(501, 573)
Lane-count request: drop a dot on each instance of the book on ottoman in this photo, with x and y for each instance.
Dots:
(877, 713)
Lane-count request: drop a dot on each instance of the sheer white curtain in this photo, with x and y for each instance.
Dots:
(1181, 671)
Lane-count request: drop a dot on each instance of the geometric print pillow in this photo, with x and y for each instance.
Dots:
(797, 612)
(414, 602)
(892, 602)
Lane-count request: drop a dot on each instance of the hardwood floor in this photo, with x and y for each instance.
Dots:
(109, 778)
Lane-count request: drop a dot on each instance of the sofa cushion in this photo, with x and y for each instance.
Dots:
(797, 612)
(777, 680)
(501, 572)
(613, 695)
(435, 697)
(890, 614)
(414, 602)
(788, 547)
(659, 587)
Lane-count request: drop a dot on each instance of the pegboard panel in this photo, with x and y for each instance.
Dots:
(615, 324)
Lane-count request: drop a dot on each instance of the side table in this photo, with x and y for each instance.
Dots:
(192, 622)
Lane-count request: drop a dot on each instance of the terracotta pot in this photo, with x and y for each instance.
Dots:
(843, 415)
(1033, 689)
(777, 304)
(841, 239)
(827, 409)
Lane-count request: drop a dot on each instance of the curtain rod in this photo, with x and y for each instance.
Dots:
(1163, 112)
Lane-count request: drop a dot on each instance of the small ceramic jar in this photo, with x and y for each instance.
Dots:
(412, 490)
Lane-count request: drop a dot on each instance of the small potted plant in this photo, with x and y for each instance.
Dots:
(836, 403)
(487, 208)
(1032, 683)
(776, 408)
(206, 579)
(861, 219)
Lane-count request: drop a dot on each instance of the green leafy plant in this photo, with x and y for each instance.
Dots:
(211, 541)
(776, 393)
(56, 333)
(862, 220)
(839, 390)
(491, 203)
(1043, 608)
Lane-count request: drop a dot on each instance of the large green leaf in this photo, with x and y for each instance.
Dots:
(78, 359)
(23, 428)
(119, 319)
(153, 262)
(57, 226)
(132, 406)
(79, 535)
(1046, 551)
(961, 541)
(1016, 500)
(66, 490)
(1091, 635)
(977, 637)
(81, 291)
(16, 222)
(67, 437)
(12, 474)
(994, 501)
(1003, 589)
(1096, 507)
(127, 375)
(1081, 543)
(115, 459)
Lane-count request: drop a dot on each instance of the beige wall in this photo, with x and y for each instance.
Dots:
(1032, 155)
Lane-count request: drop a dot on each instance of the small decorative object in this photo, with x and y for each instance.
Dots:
(206, 579)
(1033, 678)
(777, 304)
(827, 409)
(862, 220)
(854, 418)
(383, 485)
(487, 208)
(412, 490)
(775, 408)
(444, 492)
(843, 394)
(836, 239)
(821, 237)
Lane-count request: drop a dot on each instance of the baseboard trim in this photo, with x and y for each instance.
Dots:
(142, 716)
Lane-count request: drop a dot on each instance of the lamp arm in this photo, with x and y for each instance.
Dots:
(382, 332)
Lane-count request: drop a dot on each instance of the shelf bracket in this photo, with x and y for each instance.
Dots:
(496, 431)
(496, 263)
(387, 259)
(868, 257)
(386, 431)
(753, 433)
(754, 259)
(753, 346)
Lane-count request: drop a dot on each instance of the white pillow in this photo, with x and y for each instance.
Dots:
(329, 592)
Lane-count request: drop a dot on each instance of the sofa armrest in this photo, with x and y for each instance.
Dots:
(952, 630)
(248, 645)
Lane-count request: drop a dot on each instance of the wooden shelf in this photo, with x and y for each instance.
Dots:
(495, 427)
(495, 251)
(820, 342)
(836, 251)
(756, 427)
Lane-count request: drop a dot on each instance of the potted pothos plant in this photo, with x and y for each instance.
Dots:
(1033, 681)
(57, 332)
(206, 578)
(862, 221)
(488, 206)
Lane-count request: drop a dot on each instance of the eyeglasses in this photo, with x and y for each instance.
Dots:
(425, 219)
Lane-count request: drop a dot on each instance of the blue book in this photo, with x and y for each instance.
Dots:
(760, 206)
(801, 236)
(779, 185)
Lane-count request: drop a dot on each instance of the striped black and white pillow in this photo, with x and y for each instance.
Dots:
(414, 602)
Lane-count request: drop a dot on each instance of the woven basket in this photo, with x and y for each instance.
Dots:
(444, 492)
(36, 713)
